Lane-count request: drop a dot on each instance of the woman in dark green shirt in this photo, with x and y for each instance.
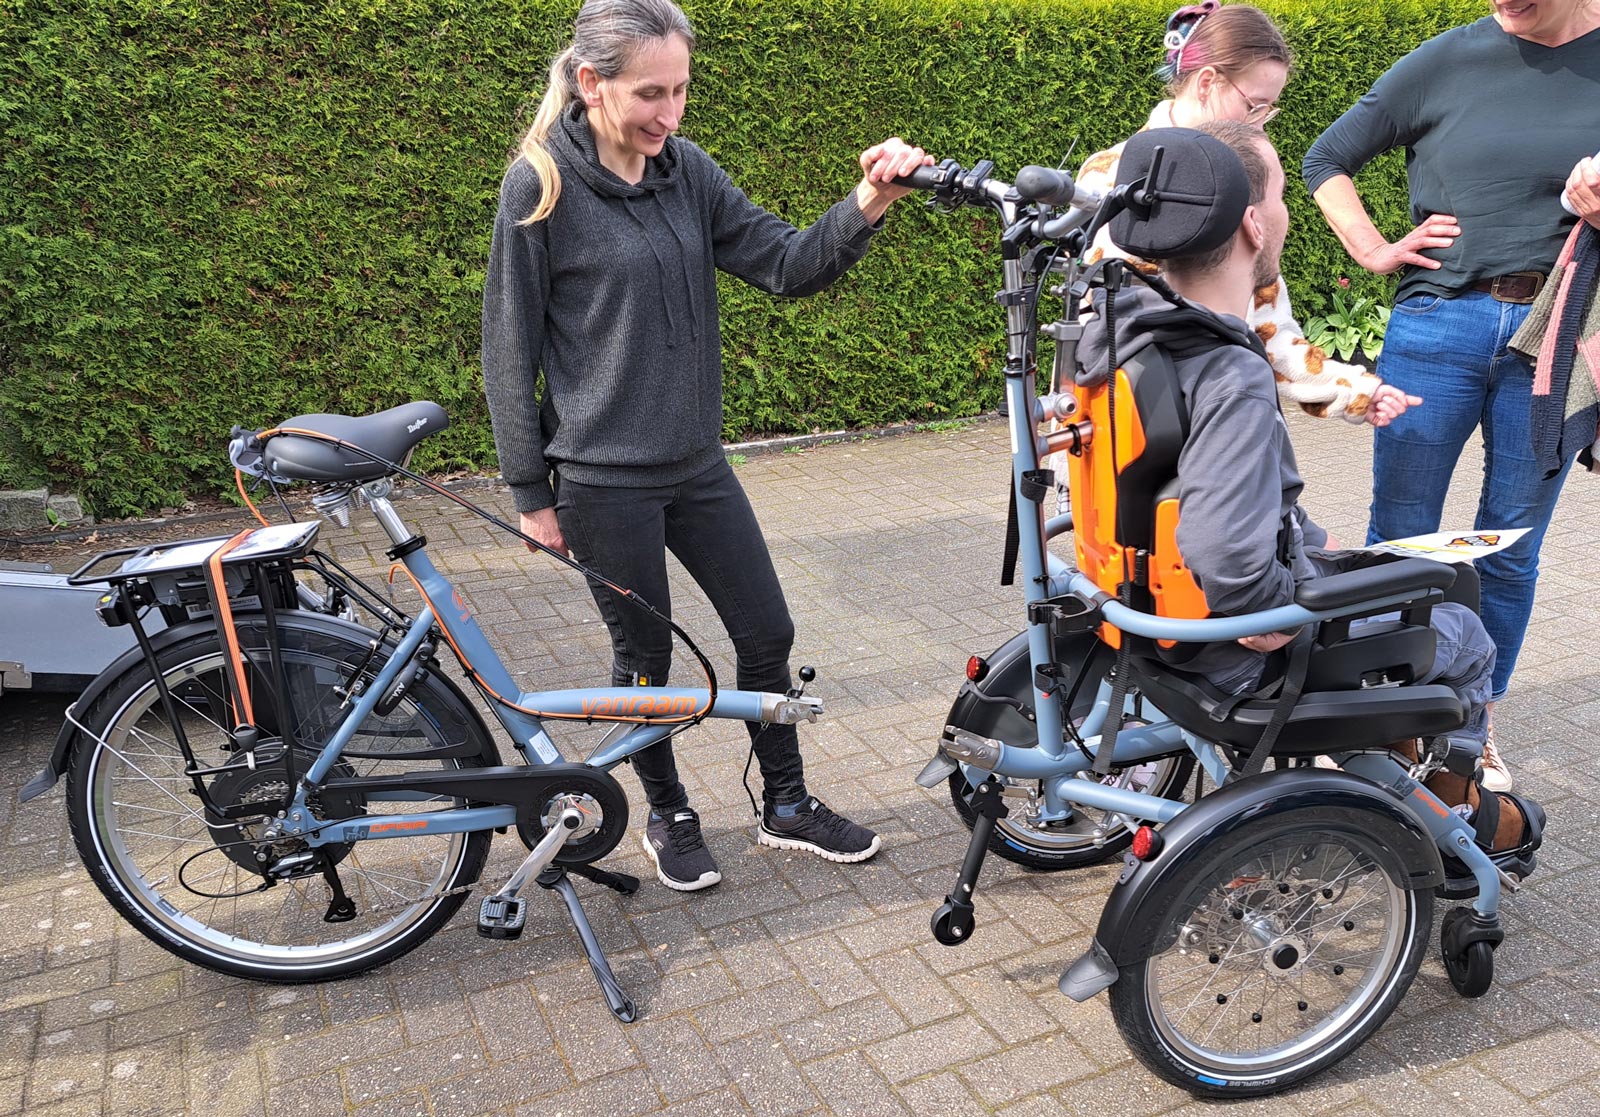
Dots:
(1492, 116)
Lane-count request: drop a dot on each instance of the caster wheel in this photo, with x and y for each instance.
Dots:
(1472, 971)
(1471, 968)
(952, 926)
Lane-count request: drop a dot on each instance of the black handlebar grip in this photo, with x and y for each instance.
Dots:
(923, 178)
(1041, 184)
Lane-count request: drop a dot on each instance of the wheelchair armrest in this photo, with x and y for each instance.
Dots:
(1405, 575)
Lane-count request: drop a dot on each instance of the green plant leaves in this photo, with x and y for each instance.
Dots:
(1355, 323)
(230, 212)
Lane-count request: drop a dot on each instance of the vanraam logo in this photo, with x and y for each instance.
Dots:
(461, 606)
(395, 827)
(637, 707)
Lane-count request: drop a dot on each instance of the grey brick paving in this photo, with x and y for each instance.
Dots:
(796, 987)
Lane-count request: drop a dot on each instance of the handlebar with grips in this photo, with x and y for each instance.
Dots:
(950, 182)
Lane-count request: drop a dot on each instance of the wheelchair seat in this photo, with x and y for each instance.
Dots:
(1359, 691)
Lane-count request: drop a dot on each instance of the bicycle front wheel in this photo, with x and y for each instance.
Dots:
(189, 877)
(1292, 945)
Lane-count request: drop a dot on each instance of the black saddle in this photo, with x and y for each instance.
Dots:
(388, 435)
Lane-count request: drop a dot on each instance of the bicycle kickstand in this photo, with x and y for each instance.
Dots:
(555, 879)
(505, 914)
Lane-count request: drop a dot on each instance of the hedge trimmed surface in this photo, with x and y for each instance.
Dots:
(231, 211)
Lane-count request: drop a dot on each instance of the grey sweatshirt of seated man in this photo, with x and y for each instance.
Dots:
(612, 300)
(1237, 481)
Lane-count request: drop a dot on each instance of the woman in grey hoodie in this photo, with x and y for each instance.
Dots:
(602, 282)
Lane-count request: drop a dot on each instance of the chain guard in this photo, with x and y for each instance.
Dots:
(593, 792)
(532, 790)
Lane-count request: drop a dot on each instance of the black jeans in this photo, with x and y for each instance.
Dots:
(707, 523)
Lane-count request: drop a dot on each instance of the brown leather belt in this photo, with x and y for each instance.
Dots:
(1517, 287)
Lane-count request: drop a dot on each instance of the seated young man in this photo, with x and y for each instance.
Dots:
(1242, 532)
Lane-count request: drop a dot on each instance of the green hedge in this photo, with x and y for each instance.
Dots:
(228, 211)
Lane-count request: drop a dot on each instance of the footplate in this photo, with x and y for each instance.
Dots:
(502, 917)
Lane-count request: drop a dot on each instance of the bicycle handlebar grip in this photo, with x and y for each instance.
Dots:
(1041, 184)
(923, 178)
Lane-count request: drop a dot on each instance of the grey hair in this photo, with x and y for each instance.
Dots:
(606, 35)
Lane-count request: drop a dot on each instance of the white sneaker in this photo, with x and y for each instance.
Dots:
(1496, 776)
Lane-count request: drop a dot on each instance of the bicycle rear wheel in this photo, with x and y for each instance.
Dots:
(189, 878)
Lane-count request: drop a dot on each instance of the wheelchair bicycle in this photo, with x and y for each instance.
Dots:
(1260, 934)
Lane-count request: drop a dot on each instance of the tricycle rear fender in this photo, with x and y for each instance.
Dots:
(1324, 799)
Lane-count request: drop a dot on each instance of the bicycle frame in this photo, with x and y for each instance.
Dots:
(525, 727)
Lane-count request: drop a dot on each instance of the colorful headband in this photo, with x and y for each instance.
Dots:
(1181, 25)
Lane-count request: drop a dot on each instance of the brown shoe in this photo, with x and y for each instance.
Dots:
(1513, 829)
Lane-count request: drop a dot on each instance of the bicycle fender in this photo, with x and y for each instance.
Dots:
(1327, 799)
(1010, 676)
(67, 739)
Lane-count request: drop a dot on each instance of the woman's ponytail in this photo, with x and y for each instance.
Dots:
(557, 96)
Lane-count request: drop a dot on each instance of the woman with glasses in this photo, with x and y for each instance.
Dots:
(1495, 118)
(1231, 63)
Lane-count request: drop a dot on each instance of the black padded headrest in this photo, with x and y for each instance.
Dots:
(1200, 196)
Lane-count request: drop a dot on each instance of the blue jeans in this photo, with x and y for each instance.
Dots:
(1452, 353)
(707, 523)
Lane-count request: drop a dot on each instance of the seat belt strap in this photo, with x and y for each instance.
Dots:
(1294, 680)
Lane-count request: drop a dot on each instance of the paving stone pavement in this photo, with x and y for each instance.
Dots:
(796, 986)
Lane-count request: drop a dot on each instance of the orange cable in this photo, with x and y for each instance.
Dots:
(244, 713)
(461, 656)
(238, 479)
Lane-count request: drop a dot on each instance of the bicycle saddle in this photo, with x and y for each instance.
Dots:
(390, 435)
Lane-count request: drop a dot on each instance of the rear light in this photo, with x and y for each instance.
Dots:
(1147, 843)
(977, 668)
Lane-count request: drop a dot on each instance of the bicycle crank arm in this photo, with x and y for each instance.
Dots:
(504, 914)
(566, 828)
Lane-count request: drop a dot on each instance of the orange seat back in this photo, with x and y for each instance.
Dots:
(1124, 486)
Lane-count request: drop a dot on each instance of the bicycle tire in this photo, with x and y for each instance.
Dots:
(1074, 845)
(1295, 940)
(182, 877)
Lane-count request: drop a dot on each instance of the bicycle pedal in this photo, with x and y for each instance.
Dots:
(502, 917)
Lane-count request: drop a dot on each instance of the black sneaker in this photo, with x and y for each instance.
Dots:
(816, 829)
(682, 860)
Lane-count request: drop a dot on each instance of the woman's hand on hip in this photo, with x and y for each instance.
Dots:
(1388, 404)
(1437, 231)
(881, 164)
(1583, 190)
(542, 526)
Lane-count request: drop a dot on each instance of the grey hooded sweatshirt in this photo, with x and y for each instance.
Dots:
(613, 299)
(1237, 477)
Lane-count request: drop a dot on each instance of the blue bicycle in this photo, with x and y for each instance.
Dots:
(268, 789)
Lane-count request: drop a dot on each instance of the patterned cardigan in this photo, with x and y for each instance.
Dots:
(1305, 373)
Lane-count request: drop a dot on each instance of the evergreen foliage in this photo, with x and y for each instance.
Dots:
(219, 212)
